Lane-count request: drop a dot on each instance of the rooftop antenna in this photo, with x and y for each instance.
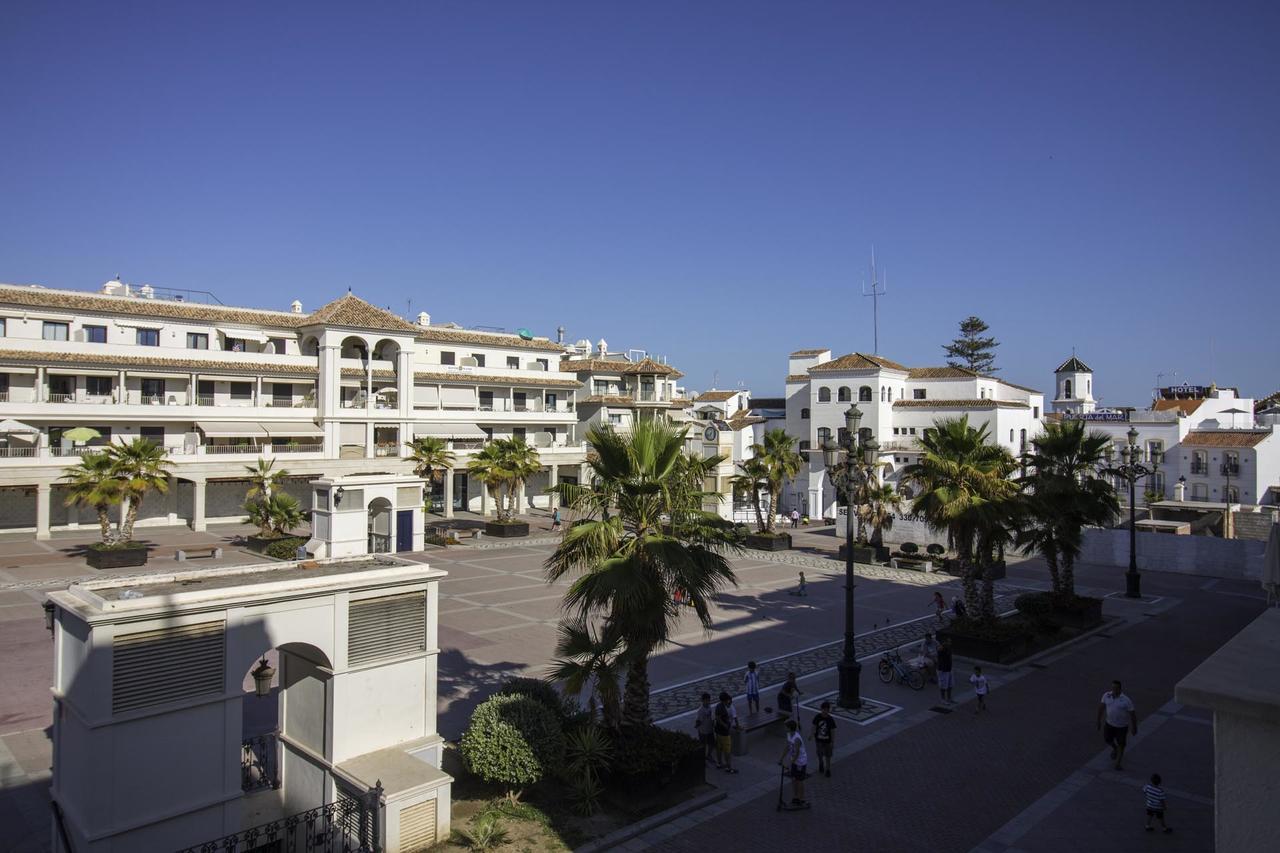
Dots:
(875, 291)
(715, 379)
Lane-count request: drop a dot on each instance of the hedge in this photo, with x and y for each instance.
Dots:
(512, 740)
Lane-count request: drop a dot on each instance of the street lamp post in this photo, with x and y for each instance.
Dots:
(1131, 469)
(849, 463)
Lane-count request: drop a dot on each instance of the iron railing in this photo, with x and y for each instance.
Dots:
(351, 825)
(260, 763)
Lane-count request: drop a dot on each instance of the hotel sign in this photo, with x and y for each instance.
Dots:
(1192, 391)
(1099, 416)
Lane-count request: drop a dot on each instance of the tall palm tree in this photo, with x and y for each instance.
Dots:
(93, 483)
(263, 478)
(489, 467)
(431, 458)
(754, 475)
(879, 502)
(778, 455)
(964, 489)
(1063, 496)
(521, 461)
(141, 467)
(655, 542)
(590, 659)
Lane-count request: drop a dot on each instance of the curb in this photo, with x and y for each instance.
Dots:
(638, 828)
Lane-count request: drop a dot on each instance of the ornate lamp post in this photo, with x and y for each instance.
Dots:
(849, 464)
(1132, 468)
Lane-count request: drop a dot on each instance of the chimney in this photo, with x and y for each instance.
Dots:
(560, 335)
(602, 347)
(296, 306)
(424, 319)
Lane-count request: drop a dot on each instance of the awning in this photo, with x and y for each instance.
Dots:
(244, 334)
(449, 430)
(9, 426)
(294, 430)
(230, 429)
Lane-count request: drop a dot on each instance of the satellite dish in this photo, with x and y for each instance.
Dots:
(525, 334)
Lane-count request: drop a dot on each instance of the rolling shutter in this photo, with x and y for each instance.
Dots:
(418, 827)
(388, 626)
(166, 665)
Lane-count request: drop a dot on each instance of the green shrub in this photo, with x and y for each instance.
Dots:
(1074, 604)
(286, 548)
(513, 741)
(909, 548)
(935, 550)
(114, 546)
(544, 692)
(487, 833)
(998, 630)
(1035, 605)
(650, 748)
(588, 751)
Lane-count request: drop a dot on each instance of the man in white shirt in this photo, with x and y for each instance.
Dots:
(1117, 718)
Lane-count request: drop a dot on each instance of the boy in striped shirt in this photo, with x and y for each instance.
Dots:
(1154, 795)
(753, 688)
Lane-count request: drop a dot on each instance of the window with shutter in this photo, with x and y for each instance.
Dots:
(387, 626)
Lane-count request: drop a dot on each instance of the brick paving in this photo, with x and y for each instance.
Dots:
(949, 782)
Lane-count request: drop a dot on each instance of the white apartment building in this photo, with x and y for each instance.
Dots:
(897, 403)
(339, 390)
(1211, 449)
(722, 423)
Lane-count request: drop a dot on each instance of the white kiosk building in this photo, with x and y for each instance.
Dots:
(149, 745)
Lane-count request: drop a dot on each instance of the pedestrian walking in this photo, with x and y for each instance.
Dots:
(1116, 719)
(704, 724)
(944, 670)
(1153, 794)
(926, 657)
(939, 605)
(824, 738)
(725, 721)
(555, 519)
(803, 589)
(752, 680)
(981, 687)
(794, 755)
(795, 519)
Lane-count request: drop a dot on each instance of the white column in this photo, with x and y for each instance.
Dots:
(257, 390)
(39, 391)
(44, 493)
(404, 381)
(122, 389)
(172, 497)
(553, 480)
(484, 498)
(368, 440)
(197, 505)
(448, 493)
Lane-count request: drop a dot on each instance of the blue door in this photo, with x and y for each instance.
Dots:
(404, 530)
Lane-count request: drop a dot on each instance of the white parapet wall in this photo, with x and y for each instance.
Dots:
(1189, 555)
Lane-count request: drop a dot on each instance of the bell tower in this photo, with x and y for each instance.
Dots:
(1073, 384)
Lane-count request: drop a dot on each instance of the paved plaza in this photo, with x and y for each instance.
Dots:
(1030, 775)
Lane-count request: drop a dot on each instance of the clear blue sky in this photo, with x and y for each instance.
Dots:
(704, 180)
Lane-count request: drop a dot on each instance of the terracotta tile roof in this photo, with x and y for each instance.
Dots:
(800, 353)
(858, 361)
(1187, 407)
(444, 334)
(681, 402)
(768, 402)
(1016, 385)
(715, 396)
(612, 365)
(959, 404)
(1267, 402)
(742, 421)
(608, 400)
(100, 303)
(1226, 437)
(28, 357)
(944, 372)
(353, 312)
(798, 377)
(1074, 364)
(357, 373)
(465, 378)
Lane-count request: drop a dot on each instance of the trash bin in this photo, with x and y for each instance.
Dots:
(738, 740)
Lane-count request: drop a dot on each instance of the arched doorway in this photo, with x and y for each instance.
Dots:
(380, 526)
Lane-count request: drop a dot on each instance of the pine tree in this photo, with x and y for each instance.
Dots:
(971, 350)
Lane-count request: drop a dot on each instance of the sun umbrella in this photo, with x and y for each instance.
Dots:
(1271, 566)
(81, 433)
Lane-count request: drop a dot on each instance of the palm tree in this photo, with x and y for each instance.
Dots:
(284, 513)
(141, 467)
(487, 466)
(754, 474)
(589, 659)
(431, 458)
(655, 542)
(965, 491)
(263, 479)
(877, 504)
(778, 455)
(1063, 496)
(93, 483)
(521, 461)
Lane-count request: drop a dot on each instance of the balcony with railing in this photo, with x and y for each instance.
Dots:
(1200, 468)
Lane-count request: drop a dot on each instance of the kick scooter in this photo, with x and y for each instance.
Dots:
(783, 804)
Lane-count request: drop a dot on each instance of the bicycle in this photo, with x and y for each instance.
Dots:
(892, 667)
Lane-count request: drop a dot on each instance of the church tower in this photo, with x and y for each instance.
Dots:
(1073, 381)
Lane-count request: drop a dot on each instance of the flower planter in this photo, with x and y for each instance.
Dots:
(116, 558)
(863, 554)
(506, 529)
(1002, 650)
(765, 542)
(1086, 614)
(681, 774)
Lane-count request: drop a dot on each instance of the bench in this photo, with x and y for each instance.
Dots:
(213, 551)
(925, 566)
(754, 722)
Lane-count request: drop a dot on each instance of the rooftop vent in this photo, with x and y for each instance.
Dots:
(296, 306)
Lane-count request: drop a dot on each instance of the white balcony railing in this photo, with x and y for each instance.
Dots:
(219, 449)
(62, 398)
(17, 452)
(297, 448)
